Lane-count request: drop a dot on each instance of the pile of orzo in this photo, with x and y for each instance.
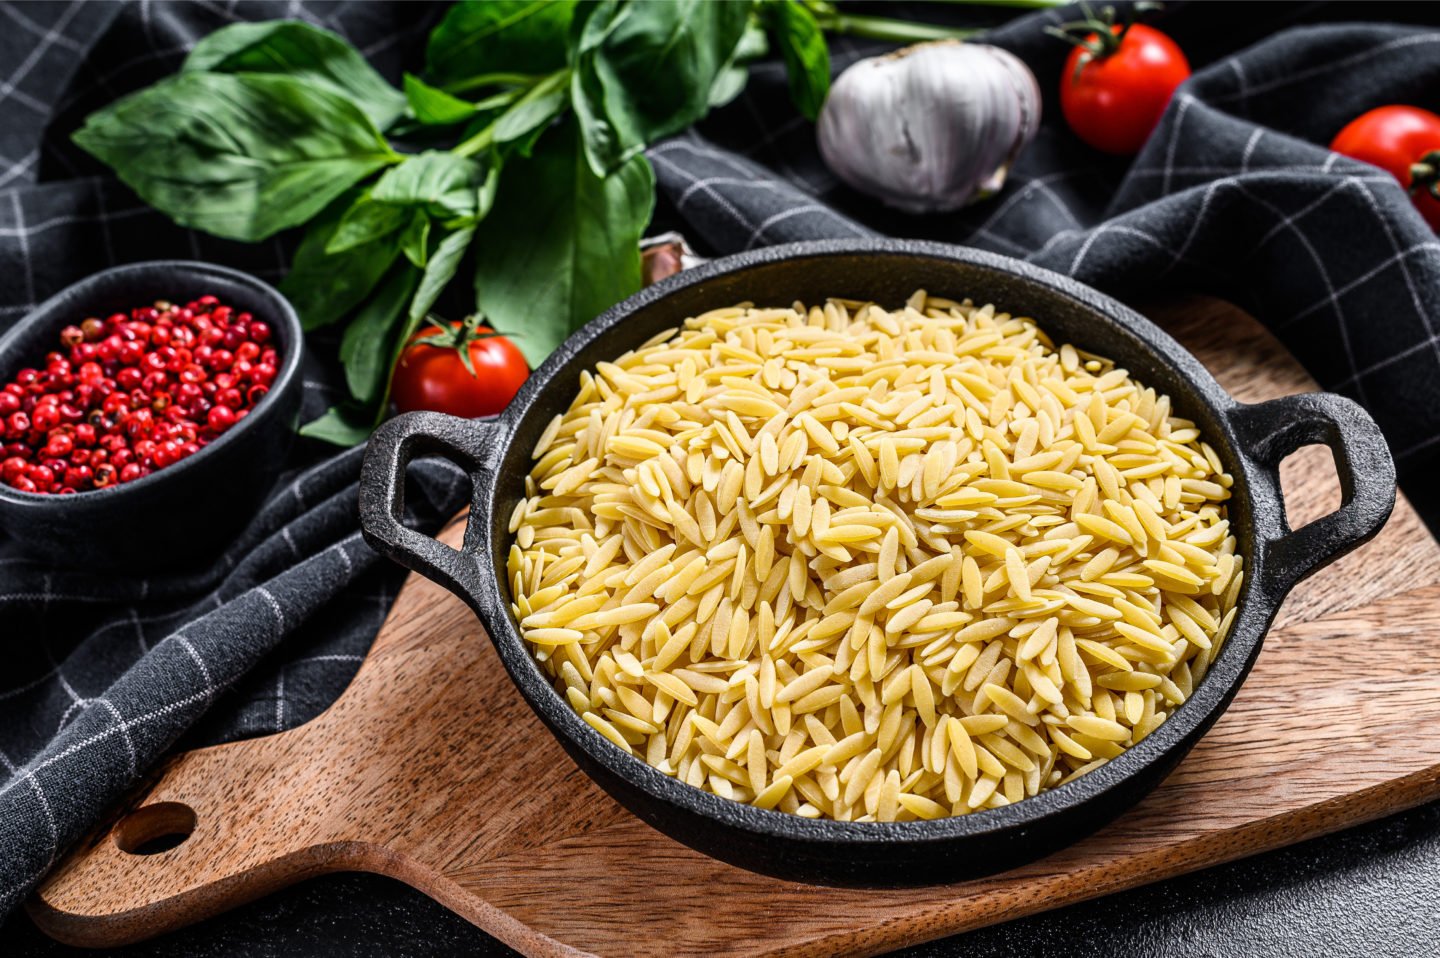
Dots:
(872, 565)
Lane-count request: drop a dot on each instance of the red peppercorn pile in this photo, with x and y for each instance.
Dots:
(127, 395)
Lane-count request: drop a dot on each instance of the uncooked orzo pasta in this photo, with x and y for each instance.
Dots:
(872, 565)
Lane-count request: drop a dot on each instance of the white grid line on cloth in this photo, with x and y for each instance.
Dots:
(344, 557)
(139, 630)
(1332, 66)
(1415, 301)
(274, 606)
(1250, 145)
(1426, 343)
(12, 11)
(22, 689)
(1230, 171)
(31, 230)
(290, 541)
(1361, 280)
(280, 700)
(794, 123)
(76, 706)
(720, 201)
(1210, 192)
(1287, 221)
(994, 237)
(786, 214)
(771, 185)
(786, 168)
(129, 741)
(333, 657)
(24, 244)
(1059, 203)
(7, 88)
(1324, 276)
(1124, 230)
(22, 166)
(1421, 445)
(723, 157)
(1185, 101)
(1040, 183)
(108, 733)
(25, 99)
(106, 78)
(185, 644)
(1240, 77)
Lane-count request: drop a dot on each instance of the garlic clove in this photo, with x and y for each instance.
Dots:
(931, 127)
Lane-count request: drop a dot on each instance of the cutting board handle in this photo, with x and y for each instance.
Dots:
(204, 838)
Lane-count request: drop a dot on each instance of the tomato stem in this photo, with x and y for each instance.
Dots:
(1425, 174)
(1096, 35)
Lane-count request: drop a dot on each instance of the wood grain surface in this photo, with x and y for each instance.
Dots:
(431, 769)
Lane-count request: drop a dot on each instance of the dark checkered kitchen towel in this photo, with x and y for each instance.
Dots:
(1234, 194)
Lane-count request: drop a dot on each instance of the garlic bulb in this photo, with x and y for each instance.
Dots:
(931, 127)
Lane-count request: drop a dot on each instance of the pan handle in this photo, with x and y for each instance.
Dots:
(469, 443)
(1269, 432)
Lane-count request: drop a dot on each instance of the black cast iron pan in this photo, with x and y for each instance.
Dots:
(1251, 440)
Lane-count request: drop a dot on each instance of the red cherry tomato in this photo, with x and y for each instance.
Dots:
(1404, 141)
(432, 375)
(1115, 99)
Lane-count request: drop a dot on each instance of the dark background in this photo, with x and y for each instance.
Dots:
(1373, 890)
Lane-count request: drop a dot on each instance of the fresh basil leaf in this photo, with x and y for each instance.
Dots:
(605, 147)
(323, 287)
(807, 59)
(344, 425)
(239, 156)
(364, 222)
(445, 184)
(438, 273)
(433, 106)
(534, 111)
(371, 336)
(500, 36)
(539, 285)
(299, 50)
(414, 242)
(733, 78)
(658, 63)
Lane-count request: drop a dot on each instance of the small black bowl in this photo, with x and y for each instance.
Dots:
(187, 510)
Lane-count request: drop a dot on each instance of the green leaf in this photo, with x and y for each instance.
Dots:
(438, 273)
(342, 425)
(807, 59)
(539, 285)
(433, 106)
(323, 287)
(444, 184)
(298, 50)
(534, 111)
(238, 156)
(656, 64)
(414, 242)
(498, 36)
(364, 222)
(736, 74)
(371, 336)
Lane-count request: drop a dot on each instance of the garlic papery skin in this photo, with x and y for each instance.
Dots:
(931, 127)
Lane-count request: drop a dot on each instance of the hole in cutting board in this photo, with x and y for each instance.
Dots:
(155, 828)
(1310, 485)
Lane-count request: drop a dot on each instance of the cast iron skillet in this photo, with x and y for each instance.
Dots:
(1251, 439)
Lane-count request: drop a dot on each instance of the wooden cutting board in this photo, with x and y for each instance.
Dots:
(431, 769)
